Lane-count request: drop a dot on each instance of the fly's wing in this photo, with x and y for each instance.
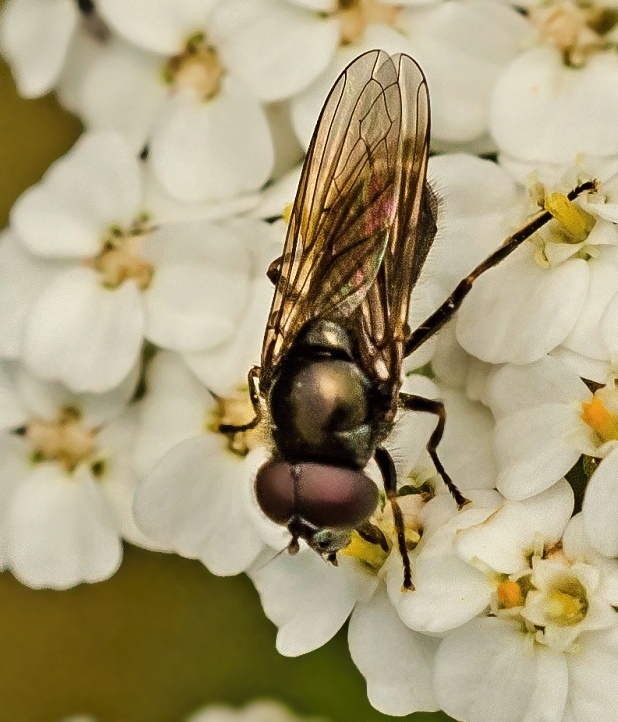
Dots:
(349, 253)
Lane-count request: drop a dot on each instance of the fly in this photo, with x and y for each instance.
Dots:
(362, 224)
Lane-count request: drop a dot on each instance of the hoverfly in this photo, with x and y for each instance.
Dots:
(362, 224)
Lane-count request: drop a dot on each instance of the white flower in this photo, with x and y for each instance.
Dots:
(461, 46)
(554, 289)
(128, 279)
(259, 711)
(67, 480)
(551, 649)
(559, 98)
(36, 36)
(546, 419)
(192, 86)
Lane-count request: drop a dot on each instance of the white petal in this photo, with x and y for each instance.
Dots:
(584, 367)
(306, 105)
(123, 90)
(535, 447)
(96, 185)
(396, 662)
(15, 466)
(609, 325)
(448, 591)
(488, 671)
(13, 411)
(308, 599)
(547, 381)
(61, 530)
(45, 399)
(592, 692)
(462, 47)
(466, 449)
(22, 277)
(224, 368)
(600, 507)
(162, 26)
(200, 285)
(475, 195)
(586, 336)
(505, 540)
(275, 48)
(212, 149)
(34, 37)
(175, 408)
(544, 111)
(192, 502)
(518, 312)
(82, 334)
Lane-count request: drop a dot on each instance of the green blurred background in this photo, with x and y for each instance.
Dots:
(163, 636)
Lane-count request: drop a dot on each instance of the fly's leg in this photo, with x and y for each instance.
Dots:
(387, 468)
(411, 402)
(372, 534)
(446, 311)
(254, 392)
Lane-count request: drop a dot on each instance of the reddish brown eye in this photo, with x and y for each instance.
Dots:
(321, 494)
(274, 489)
(334, 496)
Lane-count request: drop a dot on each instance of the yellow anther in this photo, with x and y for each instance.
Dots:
(565, 609)
(575, 220)
(287, 212)
(510, 594)
(371, 555)
(596, 415)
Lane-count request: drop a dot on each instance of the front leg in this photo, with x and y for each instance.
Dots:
(411, 402)
(387, 468)
(254, 392)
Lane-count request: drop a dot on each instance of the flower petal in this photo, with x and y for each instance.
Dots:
(526, 310)
(545, 111)
(308, 600)
(275, 48)
(505, 540)
(123, 90)
(396, 662)
(535, 447)
(488, 671)
(82, 334)
(96, 185)
(192, 502)
(212, 149)
(61, 530)
(162, 26)
(35, 37)
(600, 507)
(200, 285)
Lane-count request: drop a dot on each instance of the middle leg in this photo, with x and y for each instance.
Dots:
(411, 402)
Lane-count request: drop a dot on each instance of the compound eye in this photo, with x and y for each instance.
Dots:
(334, 496)
(274, 489)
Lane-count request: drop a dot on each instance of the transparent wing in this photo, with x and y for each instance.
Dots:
(353, 248)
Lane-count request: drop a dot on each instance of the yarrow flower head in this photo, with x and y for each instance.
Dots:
(120, 277)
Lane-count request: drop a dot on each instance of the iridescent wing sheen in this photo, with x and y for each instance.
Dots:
(357, 236)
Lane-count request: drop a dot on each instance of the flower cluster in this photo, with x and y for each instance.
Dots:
(134, 297)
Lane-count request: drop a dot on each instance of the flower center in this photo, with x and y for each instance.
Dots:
(571, 225)
(196, 68)
(120, 259)
(566, 603)
(577, 28)
(65, 440)
(373, 553)
(601, 414)
(235, 410)
(355, 15)
(510, 594)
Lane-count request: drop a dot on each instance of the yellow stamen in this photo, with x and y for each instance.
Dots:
(596, 415)
(565, 608)
(371, 555)
(576, 220)
(510, 594)
(235, 410)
